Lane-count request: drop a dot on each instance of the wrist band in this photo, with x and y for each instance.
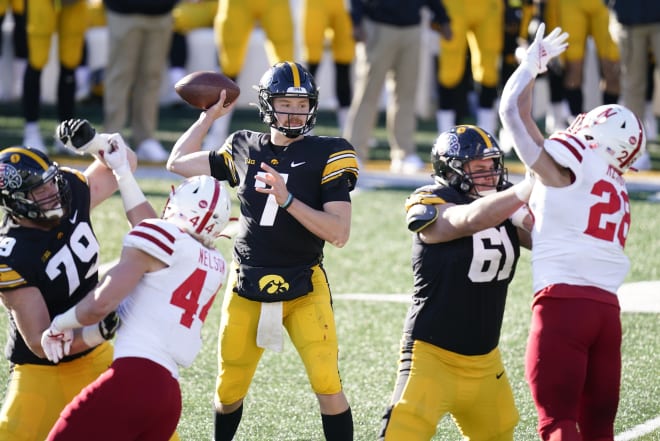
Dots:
(131, 194)
(67, 320)
(91, 335)
(287, 203)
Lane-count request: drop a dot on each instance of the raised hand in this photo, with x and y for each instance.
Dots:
(116, 155)
(80, 137)
(55, 343)
(542, 50)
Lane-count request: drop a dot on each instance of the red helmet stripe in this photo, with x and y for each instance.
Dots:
(211, 208)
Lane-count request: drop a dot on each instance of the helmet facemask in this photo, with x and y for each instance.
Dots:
(25, 178)
(613, 132)
(201, 206)
(289, 80)
(453, 154)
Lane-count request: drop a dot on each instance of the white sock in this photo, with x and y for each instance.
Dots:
(445, 119)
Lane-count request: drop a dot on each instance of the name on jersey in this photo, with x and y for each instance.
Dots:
(210, 260)
(612, 173)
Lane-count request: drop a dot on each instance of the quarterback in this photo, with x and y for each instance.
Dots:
(294, 193)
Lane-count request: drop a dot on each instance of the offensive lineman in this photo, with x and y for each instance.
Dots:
(49, 258)
(465, 251)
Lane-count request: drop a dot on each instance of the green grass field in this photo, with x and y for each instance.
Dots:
(281, 405)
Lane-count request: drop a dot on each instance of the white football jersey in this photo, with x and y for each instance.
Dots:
(162, 318)
(580, 230)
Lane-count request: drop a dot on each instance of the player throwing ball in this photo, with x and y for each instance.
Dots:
(294, 192)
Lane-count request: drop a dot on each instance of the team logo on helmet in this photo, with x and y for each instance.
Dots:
(9, 177)
(273, 284)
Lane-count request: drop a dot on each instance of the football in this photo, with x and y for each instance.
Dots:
(202, 89)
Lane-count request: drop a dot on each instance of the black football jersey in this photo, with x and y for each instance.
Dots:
(460, 286)
(316, 169)
(61, 262)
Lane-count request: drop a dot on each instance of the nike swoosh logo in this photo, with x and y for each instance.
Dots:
(74, 218)
(498, 376)
(297, 164)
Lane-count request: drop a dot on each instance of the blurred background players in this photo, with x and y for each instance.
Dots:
(233, 26)
(636, 28)
(162, 287)
(465, 251)
(581, 19)
(140, 32)
(188, 15)
(478, 25)
(16, 8)
(49, 262)
(557, 116)
(329, 20)
(388, 36)
(46, 18)
(294, 191)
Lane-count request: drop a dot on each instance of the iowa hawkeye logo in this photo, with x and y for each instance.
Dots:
(273, 284)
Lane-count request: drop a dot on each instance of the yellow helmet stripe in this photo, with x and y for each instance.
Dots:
(484, 136)
(296, 74)
(29, 153)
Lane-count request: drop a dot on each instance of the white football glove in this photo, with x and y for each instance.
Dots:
(55, 343)
(80, 137)
(115, 155)
(542, 50)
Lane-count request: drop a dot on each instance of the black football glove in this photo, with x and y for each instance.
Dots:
(76, 135)
(109, 325)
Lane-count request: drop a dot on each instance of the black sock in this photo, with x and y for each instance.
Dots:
(574, 98)
(338, 427)
(226, 424)
(610, 98)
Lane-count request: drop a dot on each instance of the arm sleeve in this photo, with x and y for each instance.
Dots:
(526, 148)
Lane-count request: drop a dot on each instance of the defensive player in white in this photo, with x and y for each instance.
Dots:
(163, 287)
(582, 217)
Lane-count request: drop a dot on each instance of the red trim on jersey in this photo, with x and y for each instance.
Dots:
(158, 229)
(145, 235)
(569, 146)
(209, 212)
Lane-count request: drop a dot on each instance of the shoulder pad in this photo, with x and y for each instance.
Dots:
(10, 278)
(421, 210)
(423, 198)
(155, 237)
(566, 149)
(77, 173)
(342, 162)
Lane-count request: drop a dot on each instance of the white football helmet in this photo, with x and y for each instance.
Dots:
(201, 206)
(614, 132)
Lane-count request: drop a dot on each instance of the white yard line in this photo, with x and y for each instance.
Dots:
(633, 297)
(639, 430)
